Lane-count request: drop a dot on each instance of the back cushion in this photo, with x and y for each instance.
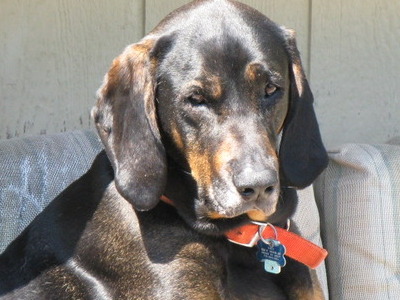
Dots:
(359, 201)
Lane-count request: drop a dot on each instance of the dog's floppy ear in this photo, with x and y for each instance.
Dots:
(302, 154)
(125, 118)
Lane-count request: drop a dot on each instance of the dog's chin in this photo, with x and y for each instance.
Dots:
(219, 226)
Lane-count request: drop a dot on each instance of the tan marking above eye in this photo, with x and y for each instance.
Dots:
(253, 71)
(215, 85)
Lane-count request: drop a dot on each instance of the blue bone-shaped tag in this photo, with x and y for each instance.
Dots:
(271, 250)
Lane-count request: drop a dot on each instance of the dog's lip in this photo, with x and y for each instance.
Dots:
(254, 215)
(257, 215)
(217, 215)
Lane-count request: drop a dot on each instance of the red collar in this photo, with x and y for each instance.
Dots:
(297, 247)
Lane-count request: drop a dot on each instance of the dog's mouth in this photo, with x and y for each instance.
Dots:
(219, 206)
(231, 204)
(219, 225)
(215, 222)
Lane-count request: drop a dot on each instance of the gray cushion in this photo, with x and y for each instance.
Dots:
(34, 170)
(359, 199)
(308, 221)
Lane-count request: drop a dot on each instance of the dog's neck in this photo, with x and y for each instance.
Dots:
(180, 192)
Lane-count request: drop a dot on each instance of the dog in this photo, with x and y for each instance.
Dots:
(208, 126)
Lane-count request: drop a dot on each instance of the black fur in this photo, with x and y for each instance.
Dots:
(194, 111)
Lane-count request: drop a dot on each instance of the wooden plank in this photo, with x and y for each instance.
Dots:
(53, 58)
(156, 10)
(355, 63)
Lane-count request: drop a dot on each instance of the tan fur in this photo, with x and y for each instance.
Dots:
(252, 71)
(314, 293)
(224, 153)
(176, 136)
(200, 167)
(299, 77)
(215, 215)
(257, 215)
(214, 84)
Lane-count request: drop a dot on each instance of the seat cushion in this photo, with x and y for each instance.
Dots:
(34, 170)
(359, 201)
(307, 220)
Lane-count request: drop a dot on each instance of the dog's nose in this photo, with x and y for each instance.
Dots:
(253, 185)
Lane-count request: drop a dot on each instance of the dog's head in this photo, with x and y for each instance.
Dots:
(218, 90)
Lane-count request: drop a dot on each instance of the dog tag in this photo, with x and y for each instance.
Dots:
(271, 266)
(271, 250)
(272, 253)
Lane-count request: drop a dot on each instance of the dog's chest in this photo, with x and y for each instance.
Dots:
(206, 271)
(156, 256)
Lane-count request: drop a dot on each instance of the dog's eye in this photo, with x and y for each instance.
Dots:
(197, 100)
(270, 89)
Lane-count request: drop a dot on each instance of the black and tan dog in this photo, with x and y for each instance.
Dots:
(212, 111)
